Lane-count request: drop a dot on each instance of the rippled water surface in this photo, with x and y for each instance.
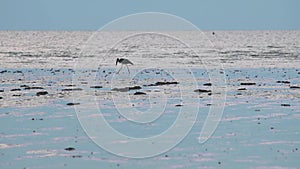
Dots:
(259, 127)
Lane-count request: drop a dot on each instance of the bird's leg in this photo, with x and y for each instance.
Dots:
(120, 69)
(128, 69)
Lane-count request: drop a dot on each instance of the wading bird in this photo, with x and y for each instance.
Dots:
(125, 62)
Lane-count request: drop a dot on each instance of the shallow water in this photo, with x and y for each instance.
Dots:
(256, 130)
(259, 127)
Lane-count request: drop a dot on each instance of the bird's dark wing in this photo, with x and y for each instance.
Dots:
(126, 61)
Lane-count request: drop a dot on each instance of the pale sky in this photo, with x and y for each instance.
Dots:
(205, 14)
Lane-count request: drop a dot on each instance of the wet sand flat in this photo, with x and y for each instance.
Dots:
(259, 127)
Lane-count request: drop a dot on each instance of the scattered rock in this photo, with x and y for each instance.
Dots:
(178, 105)
(3, 71)
(41, 93)
(17, 71)
(96, 87)
(207, 84)
(242, 89)
(126, 89)
(284, 104)
(202, 91)
(76, 156)
(16, 95)
(270, 46)
(33, 87)
(281, 81)
(135, 88)
(15, 90)
(69, 85)
(139, 93)
(37, 119)
(72, 104)
(295, 87)
(163, 83)
(24, 86)
(1, 97)
(271, 128)
(70, 149)
(1, 90)
(72, 89)
(248, 83)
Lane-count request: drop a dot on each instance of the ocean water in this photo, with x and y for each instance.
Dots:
(259, 127)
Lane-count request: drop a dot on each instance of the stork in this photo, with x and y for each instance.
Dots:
(125, 62)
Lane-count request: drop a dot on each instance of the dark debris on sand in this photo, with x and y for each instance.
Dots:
(3, 71)
(69, 85)
(135, 88)
(285, 82)
(207, 84)
(76, 156)
(70, 149)
(202, 91)
(285, 105)
(248, 83)
(16, 95)
(126, 89)
(24, 86)
(15, 89)
(162, 83)
(33, 87)
(139, 93)
(41, 93)
(37, 119)
(72, 104)
(71, 89)
(295, 87)
(96, 87)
